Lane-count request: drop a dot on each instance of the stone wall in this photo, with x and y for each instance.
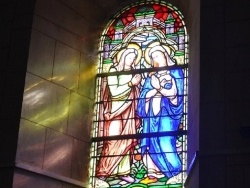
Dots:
(224, 110)
(54, 134)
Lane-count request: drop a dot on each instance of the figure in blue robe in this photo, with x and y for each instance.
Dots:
(160, 106)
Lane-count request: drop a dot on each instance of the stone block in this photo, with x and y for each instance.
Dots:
(236, 176)
(237, 115)
(212, 3)
(80, 117)
(211, 37)
(58, 153)
(26, 179)
(212, 14)
(212, 87)
(45, 103)
(31, 143)
(236, 12)
(212, 126)
(41, 55)
(81, 158)
(241, 158)
(237, 87)
(237, 60)
(62, 15)
(87, 9)
(212, 171)
(58, 33)
(88, 72)
(237, 33)
(66, 66)
(235, 141)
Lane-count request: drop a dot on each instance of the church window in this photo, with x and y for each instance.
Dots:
(139, 134)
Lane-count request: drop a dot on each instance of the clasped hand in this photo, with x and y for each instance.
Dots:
(136, 79)
(155, 82)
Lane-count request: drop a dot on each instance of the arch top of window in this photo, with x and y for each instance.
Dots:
(143, 23)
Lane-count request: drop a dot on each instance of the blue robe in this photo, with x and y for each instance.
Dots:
(162, 150)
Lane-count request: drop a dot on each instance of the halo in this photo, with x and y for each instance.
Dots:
(129, 46)
(170, 49)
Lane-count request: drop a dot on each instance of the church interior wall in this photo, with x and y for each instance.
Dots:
(54, 134)
(223, 108)
(49, 54)
(16, 20)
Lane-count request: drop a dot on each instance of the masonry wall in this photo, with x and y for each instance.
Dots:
(224, 107)
(54, 133)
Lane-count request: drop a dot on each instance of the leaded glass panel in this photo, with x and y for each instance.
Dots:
(139, 136)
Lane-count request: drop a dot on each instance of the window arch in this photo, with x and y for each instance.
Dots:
(139, 136)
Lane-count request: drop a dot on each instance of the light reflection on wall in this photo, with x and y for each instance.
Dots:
(66, 66)
(57, 112)
(34, 98)
(58, 154)
(88, 74)
(46, 103)
(58, 78)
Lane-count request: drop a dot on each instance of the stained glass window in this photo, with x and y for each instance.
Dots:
(139, 136)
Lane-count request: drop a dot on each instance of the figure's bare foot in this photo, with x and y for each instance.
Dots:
(127, 178)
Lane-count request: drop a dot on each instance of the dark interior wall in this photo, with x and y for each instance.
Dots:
(16, 20)
(224, 95)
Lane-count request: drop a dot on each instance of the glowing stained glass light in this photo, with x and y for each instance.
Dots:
(140, 123)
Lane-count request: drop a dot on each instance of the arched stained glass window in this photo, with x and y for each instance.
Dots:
(140, 124)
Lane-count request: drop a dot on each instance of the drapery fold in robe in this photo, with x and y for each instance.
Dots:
(113, 150)
(162, 150)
